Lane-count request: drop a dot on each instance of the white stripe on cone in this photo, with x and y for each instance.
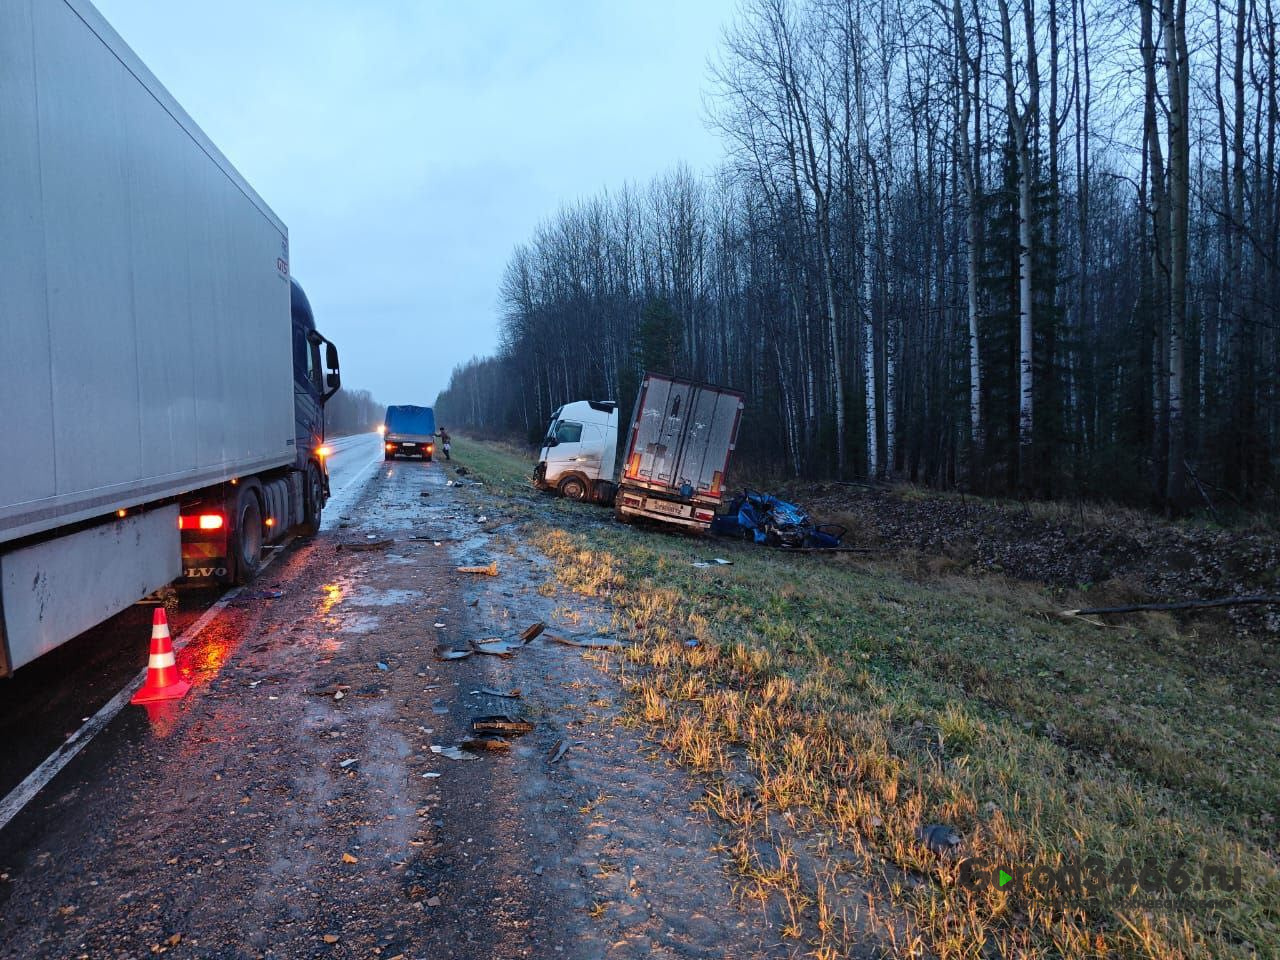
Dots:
(159, 661)
(159, 630)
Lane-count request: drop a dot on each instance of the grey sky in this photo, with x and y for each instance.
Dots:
(410, 145)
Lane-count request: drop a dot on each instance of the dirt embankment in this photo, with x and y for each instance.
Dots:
(1111, 555)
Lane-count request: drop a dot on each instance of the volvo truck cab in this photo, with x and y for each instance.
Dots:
(580, 450)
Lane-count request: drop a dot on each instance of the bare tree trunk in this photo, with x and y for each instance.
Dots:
(1174, 16)
(1020, 122)
(969, 166)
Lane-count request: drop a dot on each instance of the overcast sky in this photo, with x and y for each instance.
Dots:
(410, 145)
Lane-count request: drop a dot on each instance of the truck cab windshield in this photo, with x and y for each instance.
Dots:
(566, 431)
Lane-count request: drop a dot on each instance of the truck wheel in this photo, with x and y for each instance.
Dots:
(573, 488)
(312, 500)
(246, 537)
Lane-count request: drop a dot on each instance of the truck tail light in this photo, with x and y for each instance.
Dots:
(391, 446)
(201, 521)
(633, 465)
(717, 478)
(705, 516)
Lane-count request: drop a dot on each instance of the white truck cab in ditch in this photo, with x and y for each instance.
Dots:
(579, 451)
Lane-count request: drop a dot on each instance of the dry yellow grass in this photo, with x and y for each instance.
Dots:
(832, 707)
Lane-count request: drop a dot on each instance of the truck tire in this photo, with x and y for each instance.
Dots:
(574, 488)
(245, 544)
(312, 500)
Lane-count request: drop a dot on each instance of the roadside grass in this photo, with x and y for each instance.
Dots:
(833, 707)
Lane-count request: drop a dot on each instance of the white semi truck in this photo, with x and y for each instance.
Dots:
(162, 382)
(678, 446)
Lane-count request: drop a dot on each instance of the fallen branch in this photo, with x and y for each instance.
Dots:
(1179, 605)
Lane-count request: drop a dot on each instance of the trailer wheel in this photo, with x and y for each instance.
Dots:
(246, 537)
(573, 488)
(312, 500)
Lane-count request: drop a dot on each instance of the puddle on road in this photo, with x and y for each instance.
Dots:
(364, 596)
(355, 623)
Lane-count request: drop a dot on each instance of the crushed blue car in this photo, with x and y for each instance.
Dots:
(765, 519)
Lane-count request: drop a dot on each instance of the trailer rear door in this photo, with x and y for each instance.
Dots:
(682, 433)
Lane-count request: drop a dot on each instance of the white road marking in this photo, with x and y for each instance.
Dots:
(26, 791)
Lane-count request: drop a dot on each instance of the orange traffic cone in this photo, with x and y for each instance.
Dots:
(163, 681)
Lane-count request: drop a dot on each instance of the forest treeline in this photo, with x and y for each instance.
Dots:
(1008, 246)
(352, 411)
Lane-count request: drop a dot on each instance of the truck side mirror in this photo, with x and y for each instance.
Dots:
(334, 380)
(331, 360)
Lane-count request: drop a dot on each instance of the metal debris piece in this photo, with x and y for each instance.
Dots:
(490, 692)
(439, 708)
(590, 643)
(486, 742)
(938, 837)
(491, 570)
(448, 653)
(558, 751)
(701, 564)
(723, 562)
(496, 647)
(349, 762)
(533, 631)
(431, 775)
(502, 724)
(358, 547)
(453, 753)
(382, 666)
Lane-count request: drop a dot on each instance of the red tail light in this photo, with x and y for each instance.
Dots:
(716, 479)
(633, 465)
(201, 521)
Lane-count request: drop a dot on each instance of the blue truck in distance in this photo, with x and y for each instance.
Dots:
(409, 432)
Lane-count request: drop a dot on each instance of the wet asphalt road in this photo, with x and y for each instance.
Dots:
(292, 806)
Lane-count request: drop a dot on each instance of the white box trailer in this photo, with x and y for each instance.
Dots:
(152, 347)
(678, 446)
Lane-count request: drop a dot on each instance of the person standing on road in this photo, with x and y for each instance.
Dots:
(444, 443)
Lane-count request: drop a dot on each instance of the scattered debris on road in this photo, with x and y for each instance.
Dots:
(589, 643)
(558, 751)
(490, 692)
(360, 547)
(449, 653)
(453, 753)
(490, 571)
(496, 647)
(491, 742)
(502, 724)
(533, 631)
